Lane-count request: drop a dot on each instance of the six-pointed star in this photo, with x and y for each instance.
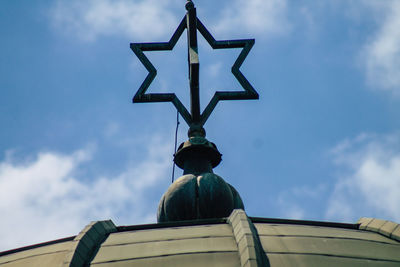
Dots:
(141, 96)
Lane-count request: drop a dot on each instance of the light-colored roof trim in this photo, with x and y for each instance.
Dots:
(87, 242)
(387, 228)
(251, 253)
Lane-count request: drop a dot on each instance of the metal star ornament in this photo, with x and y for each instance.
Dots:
(192, 24)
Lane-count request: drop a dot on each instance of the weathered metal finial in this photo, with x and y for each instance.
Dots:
(195, 119)
(199, 193)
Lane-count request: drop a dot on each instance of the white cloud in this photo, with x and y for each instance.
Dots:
(366, 183)
(369, 182)
(381, 54)
(45, 199)
(254, 16)
(135, 19)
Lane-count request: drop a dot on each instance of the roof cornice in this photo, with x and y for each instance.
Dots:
(386, 228)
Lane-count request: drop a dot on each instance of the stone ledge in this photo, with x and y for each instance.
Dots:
(387, 228)
(250, 250)
(87, 242)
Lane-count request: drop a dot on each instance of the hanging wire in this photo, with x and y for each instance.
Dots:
(176, 139)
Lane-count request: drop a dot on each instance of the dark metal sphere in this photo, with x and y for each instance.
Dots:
(198, 197)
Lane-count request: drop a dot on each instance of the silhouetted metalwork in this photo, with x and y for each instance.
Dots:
(199, 193)
(191, 23)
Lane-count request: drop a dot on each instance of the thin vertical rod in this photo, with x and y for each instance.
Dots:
(193, 62)
(176, 142)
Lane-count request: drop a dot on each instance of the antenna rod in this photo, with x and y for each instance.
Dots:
(193, 61)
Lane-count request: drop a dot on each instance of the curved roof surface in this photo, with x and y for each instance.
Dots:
(234, 241)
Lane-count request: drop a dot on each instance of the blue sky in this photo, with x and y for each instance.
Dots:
(321, 143)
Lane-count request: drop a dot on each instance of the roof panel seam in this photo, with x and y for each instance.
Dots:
(164, 240)
(335, 237)
(166, 255)
(332, 255)
(36, 255)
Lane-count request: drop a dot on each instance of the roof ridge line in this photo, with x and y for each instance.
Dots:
(305, 222)
(251, 252)
(37, 245)
(87, 243)
(384, 227)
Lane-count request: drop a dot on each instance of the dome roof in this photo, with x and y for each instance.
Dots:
(234, 241)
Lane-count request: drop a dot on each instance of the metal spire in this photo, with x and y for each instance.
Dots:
(199, 193)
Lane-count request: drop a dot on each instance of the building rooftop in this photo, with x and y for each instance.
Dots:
(238, 240)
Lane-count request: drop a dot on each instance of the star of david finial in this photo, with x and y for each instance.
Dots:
(190, 22)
